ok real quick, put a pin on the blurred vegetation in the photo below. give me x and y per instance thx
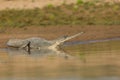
(81, 13)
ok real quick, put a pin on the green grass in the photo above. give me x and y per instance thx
(74, 14)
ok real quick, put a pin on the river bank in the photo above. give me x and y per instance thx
(53, 32)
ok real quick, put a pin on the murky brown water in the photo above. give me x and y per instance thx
(104, 65)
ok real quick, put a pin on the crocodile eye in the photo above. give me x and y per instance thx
(65, 36)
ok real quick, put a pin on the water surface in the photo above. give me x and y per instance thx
(94, 65)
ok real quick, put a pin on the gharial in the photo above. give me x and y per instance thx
(39, 43)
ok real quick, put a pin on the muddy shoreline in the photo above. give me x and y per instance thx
(53, 32)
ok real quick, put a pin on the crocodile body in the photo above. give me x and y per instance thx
(39, 43)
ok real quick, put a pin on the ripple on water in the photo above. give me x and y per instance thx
(97, 65)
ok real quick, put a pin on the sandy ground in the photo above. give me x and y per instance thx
(53, 32)
(29, 4)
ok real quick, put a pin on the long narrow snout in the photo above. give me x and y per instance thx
(63, 39)
(70, 37)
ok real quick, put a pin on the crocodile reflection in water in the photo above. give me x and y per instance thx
(37, 53)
